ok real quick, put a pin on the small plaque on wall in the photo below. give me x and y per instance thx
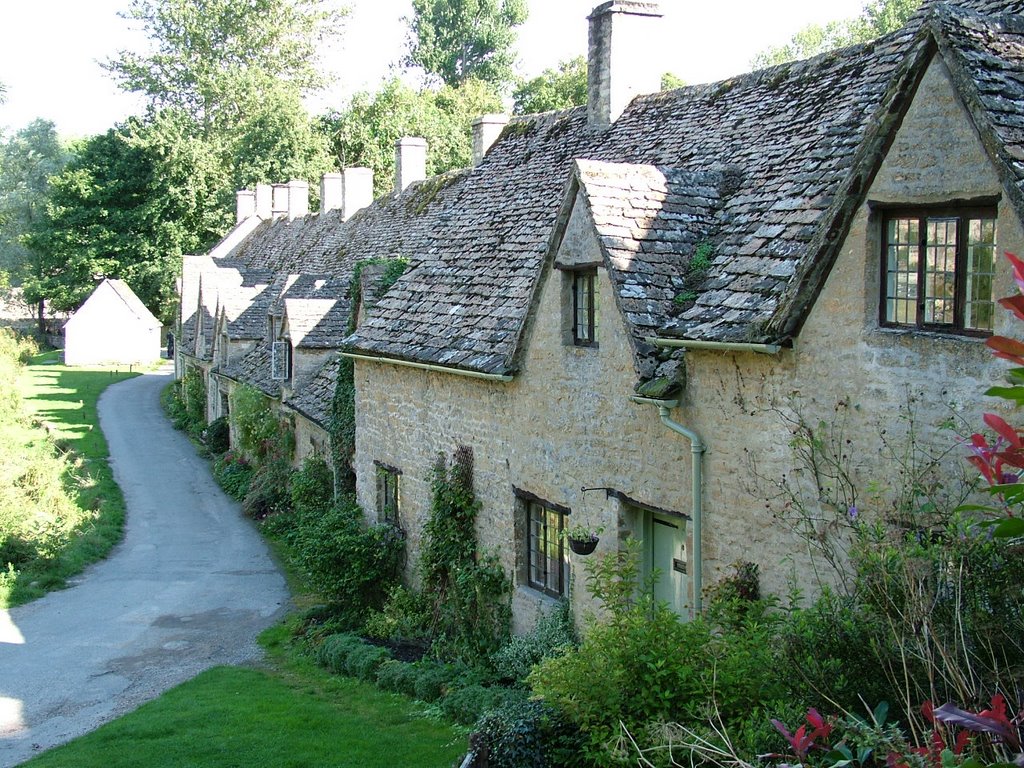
(679, 566)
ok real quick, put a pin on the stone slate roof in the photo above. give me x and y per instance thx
(795, 146)
(133, 302)
(313, 399)
(316, 323)
(245, 307)
(253, 369)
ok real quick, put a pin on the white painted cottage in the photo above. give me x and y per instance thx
(112, 326)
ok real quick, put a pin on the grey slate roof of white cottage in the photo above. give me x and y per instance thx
(793, 149)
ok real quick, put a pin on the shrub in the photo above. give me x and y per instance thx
(234, 474)
(363, 662)
(521, 733)
(334, 651)
(312, 487)
(431, 681)
(348, 562)
(404, 616)
(467, 704)
(261, 433)
(552, 636)
(217, 436)
(397, 677)
(268, 490)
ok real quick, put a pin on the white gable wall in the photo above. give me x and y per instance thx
(105, 330)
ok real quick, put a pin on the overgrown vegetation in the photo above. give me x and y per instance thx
(60, 508)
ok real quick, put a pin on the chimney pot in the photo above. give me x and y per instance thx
(264, 201)
(410, 161)
(245, 205)
(357, 184)
(486, 130)
(618, 68)
(280, 200)
(332, 192)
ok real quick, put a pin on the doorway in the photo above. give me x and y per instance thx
(665, 551)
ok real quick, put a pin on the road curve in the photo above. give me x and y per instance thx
(190, 587)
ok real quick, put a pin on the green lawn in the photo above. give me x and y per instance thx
(294, 714)
(63, 509)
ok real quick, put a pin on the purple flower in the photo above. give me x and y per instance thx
(852, 512)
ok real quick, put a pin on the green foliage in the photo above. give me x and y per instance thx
(347, 562)
(405, 616)
(312, 487)
(397, 677)
(879, 17)
(261, 433)
(334, 651)
(186, 403)
(552, 635)
(553, 89)
(457, 40)
(364, 134)
(467, 704)
(431, 681)
(471, 594)
(217, 436)
(523, 733)
(363, 662)
(233, 471)
(268, 492)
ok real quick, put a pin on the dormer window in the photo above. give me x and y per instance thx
(938, 269)
(584, 307)
(281, 361)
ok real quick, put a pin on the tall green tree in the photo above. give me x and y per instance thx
(365, 133)
(559, 88)
(458, 40)
(28, 159)
(127, 206)
(878, 17)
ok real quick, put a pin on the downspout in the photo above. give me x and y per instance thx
(697, 449)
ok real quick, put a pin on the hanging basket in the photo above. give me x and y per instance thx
(583, 546)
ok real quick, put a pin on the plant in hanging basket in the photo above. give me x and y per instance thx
(583, 540)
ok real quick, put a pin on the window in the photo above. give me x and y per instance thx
(545, 556)
(387, 493)
(281, 360)
(938, 268)
(584, 309)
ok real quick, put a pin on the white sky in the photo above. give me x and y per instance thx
(50, 49)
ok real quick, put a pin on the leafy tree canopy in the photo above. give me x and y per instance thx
(559, 88)
(127, 206)
(458, 40)
(27, 161)
(366, 132)
(879, 17)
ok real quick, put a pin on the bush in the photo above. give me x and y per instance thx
(403, 617)
(552, 636)
(334, 651)
(268, 490)
(348, 562)
(217, 436)
(528, 734)
(234, 474)
(466, 705)
(312, 487)
(364, 662)
(431, 681)
(397, 677)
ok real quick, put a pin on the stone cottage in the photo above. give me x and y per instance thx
(625, 308)
(112, 326)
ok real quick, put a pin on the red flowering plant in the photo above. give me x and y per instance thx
(1002, 730)
(846, 742)
(1000, 460)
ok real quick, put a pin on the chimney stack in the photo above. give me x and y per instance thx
(279, 203)
(486, 130)
(618, 66)
(410, 161)
(332, 192)
(245, 205)
(264, 201)
(357, 184)
(298, 198)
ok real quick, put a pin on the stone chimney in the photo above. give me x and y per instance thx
(279, 202)
(332, 192)
(618, 66)
(264, 201)
(410, 161)
(245, 205)
(298, 198)
(357, 184)
(486, 130)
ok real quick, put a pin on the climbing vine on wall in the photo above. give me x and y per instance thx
(261, 433)
(342, 427)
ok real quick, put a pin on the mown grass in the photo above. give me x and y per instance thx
(62, 509)
(291, 714)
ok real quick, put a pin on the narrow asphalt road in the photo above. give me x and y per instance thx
(190, 587)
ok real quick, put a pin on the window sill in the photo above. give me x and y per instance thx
(928, 334)
(526, 592)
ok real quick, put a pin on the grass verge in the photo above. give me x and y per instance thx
(62, 509)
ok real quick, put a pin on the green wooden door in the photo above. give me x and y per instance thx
(666, 551)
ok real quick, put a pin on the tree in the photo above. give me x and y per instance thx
(215, 59)
(560, 88)
(879, 17)
(456, 40)
(27, 161)
(127, 206)
(366, 132)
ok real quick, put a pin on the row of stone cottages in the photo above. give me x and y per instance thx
(622, 308)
